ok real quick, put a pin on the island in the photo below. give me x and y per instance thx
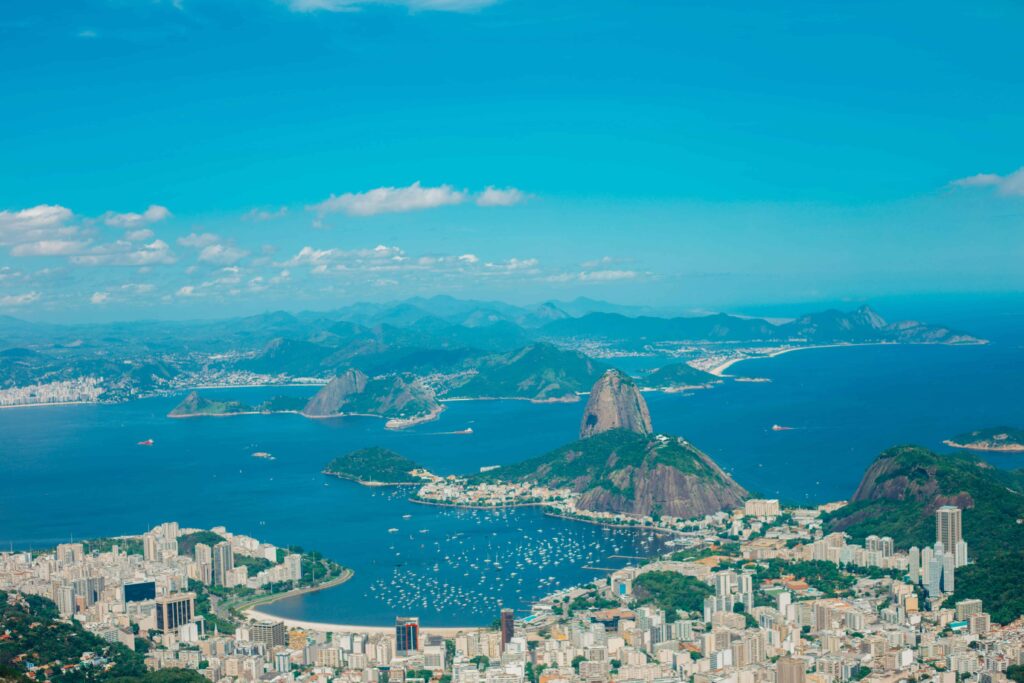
(378, 467)
(1000, 439)
(679, 377)
(403, 401)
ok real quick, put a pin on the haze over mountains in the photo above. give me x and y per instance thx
(479, 348)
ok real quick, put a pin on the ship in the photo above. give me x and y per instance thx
(780, 428)
(263, 454)
(467, 430)
(147, 442)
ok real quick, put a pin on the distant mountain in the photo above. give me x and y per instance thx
(677, 375)
(861, 325)
(899, 494)
(636, 474)
(615, 403)
(539, 372)
(395, 397)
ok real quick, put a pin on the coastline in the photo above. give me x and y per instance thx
(51, 403)
(325, 627)
(978, 446)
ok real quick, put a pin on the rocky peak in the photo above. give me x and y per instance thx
(330, 399)
(615, 403)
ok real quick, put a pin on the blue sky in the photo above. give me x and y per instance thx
(197, 157)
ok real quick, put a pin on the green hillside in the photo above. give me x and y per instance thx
(898, 497)
(374, 466)
(538, 372)
(677, 375)
(638, 474)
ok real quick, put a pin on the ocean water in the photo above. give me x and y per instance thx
(76, 471)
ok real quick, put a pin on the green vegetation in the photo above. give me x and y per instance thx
(187, 542)
(283, 404)
(900, 493)
(204, 608)
(540, 372)
(990, 439)
(194, 404)
(820, 575)
(374, 465)
(671, 591)
(253, 565)
(130, 546)
(677, 375)
(1015, 672)
(595, 459)
(35, 635)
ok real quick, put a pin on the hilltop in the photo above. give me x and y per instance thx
(539, 372)
(899, 494)
(404, 400)
(636, 474)
(615, 403)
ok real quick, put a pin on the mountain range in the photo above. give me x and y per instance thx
(482, 348)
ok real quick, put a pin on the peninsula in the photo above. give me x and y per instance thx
(999, 439)
(377, 467)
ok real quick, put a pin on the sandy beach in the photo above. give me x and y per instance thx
(719, 371)
(351, 628)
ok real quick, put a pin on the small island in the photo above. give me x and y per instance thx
(195, 405)
(378, 467)
(678, 377)
(1002, 439)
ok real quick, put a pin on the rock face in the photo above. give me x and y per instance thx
(615, 403)
(332, 398)
(636, 474)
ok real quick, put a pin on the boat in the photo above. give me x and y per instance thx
(147, 442)
(467, 430)
(263, 454)
(392, 530)
(780, 428)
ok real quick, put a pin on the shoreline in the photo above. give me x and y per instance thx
(719, 370)
(978, 446)
(247, 606)
(51, 403)
(327, 627)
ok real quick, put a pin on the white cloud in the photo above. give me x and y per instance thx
(514, 264)
(1006, 185)
(99, 297)
(139, 235)
(469, 258)
(493, 196)
(49, 248)
(223, 254)
(308, 256)
(197, 240)
(412, 5)
(265, 214)
(153, 214)
(187, 290)
(594, 276)
(122, 253)
(10, 300)
(390, 200)
(41, 222)
(607, 275)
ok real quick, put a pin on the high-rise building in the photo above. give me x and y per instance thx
(961, 553)
(223, 562)
(270, 633)
(204, 563)
(407, 635)
(508, 626)
(948, 530)
(790, 670)
(948, 573)
(174, 610)
(915, 565)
